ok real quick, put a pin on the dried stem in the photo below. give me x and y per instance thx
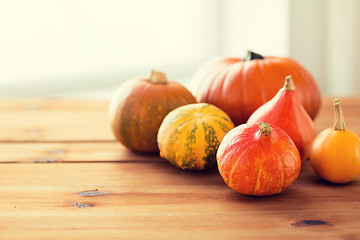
(289, 83)
(339, 116)
(265, 128)
(157, 77)
(251, 56)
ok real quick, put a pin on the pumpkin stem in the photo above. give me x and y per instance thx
(251, 56)
(157, 77)
(265, 128)
(289, 83)
(339, 116)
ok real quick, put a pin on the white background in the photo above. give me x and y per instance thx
(82, 48)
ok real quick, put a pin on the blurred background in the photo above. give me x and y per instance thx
(85, 49)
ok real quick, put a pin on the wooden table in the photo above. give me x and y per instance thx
(63, 176)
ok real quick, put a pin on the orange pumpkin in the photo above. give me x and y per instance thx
(239, 86)
(258, 159)
(140, 105)
(335, 152)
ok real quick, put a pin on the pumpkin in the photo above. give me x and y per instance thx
(258, 159)
(239, 86)
(286, 112)
(190, 135)
(139, 106)
(335, 152)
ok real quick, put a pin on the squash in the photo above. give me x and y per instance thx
(258, 159)
(335, 152)
(285, 111)
(139, 106)
(190, 135)
(239, 86)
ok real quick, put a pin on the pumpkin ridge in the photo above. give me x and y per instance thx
(221, 84)
(267, 68)
(176, 93)
(117, 109)
(234, 83)
(203, 110)
(222, 125)
(188, 159)
(257, 185)
(139, 121)
(212, 143)
(135, 120)
(242, 84)
(236, 163)
(196, 86)
(174, 137)
(222, 72)
(216, 72)
(309, 108)
(261, 67)
(282, 176)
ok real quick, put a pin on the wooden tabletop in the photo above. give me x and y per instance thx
(63, 176)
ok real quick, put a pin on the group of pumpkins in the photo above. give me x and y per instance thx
(274, 130)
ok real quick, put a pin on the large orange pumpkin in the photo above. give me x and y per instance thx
(140, 105)
(239, 86)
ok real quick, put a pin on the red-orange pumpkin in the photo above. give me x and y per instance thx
(140, 105)
(258, 159)
(239, 86)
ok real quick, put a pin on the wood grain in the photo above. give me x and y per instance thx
(54, 120)
(70, 152)
(63, 176)
(157, 201)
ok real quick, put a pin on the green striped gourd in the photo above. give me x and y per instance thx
(190, 135)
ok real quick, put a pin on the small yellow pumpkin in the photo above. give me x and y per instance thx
(335, 152)
(190, 135)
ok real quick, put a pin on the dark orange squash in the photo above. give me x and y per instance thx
(239, 86)
(140, 105)
(285, 111)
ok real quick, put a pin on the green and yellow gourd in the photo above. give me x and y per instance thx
(190, 135)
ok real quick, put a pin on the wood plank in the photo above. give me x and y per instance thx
(157, 201)
(85, 120)
(54, 120)
(71, 152)
(91, 187)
